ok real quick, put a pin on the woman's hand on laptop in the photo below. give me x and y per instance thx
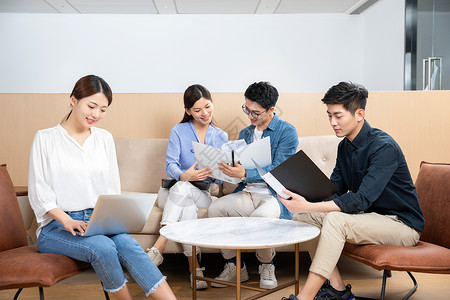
(68, 223)
(74, 225)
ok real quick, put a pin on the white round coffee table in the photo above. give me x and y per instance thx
(241, 233)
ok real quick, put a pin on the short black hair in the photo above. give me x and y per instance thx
(262, 93)
(352, 95)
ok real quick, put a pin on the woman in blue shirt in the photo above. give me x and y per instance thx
(183, 199)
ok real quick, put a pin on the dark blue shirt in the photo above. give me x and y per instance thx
(283, 144)
(372, 176)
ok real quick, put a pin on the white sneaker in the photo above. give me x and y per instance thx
(267, 278)
(229, 274)
(155, 256)
(200, 284)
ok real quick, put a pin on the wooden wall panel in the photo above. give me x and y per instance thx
(417, 120)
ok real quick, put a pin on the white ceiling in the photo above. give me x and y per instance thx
(185, 6)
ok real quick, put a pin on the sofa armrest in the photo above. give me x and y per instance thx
(29, 218)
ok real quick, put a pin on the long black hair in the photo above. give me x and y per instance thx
(87, 86)
(192, 94)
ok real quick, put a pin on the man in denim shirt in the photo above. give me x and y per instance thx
(253, 198)
(376, 204)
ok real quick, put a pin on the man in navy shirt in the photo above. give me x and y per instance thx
(376, 204)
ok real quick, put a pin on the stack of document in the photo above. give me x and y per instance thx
(208, 156)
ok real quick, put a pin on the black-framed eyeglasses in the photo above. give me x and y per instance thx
(255, 115)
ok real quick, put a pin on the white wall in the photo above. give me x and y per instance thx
(384, 46)
(47, 53)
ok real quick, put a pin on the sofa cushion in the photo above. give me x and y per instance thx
(27, 267)
(152, 225)
(433, 192)
(141, 163)
(12, 229)
(424, 257)
(322, 150)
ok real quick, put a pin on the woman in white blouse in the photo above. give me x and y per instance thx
(71, 164)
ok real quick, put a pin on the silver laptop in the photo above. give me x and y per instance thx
(124, 213)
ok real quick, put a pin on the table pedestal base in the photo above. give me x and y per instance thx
(238, 285)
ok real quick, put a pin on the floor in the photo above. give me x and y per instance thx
(365, 281)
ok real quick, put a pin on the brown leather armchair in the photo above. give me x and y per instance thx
(21, 265)
(432, 253)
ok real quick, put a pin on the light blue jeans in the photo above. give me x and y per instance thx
(106, 254)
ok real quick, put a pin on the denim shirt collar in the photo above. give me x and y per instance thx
(272, 125)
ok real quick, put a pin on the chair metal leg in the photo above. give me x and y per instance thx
(105, 292)
(413, 290)
(383, 285)
(387, 273)
(41, 293)
(17, 293)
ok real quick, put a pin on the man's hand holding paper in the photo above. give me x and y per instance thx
(220, 160)
(298, 204)
(295, 203)
(237, 171)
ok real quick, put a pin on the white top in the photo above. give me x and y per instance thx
(257, 187)
(65, 175)
(239, 232)
(257, 135)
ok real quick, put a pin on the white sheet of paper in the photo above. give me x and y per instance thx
(233, 145)
(259, 151)
(275, 184)
(271, 180)
(208, 156)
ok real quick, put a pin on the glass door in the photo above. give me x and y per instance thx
(427, 58)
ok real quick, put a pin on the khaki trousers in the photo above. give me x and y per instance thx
(244, 204)
(364, 228)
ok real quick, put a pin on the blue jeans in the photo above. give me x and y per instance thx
(106, 254)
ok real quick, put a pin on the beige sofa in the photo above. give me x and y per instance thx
(142, 166)
(142, 162)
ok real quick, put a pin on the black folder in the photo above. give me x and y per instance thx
(300, 175)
